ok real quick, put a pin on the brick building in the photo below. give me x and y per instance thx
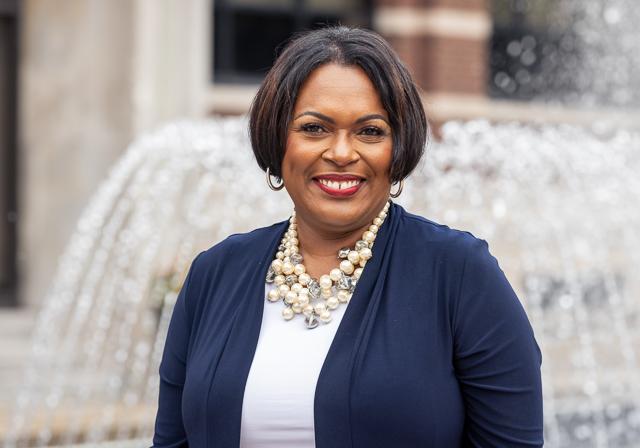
(84, 78)
(445, 44)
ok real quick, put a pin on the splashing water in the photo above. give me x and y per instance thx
(607, 36)
(558, 205)
(580, 52)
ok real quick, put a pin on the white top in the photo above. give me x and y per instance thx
(277, 410)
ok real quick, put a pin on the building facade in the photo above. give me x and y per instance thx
(87, 78)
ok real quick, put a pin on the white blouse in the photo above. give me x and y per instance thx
(277, 409)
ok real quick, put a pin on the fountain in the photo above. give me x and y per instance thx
(571, 52)
(559, 206)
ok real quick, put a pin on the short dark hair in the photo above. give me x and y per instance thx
(272, 107)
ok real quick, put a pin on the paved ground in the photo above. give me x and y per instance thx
(15, 345)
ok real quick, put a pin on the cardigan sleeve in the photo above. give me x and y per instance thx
(496, 357)
(169, 428)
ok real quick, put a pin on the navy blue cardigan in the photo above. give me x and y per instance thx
(434, 349)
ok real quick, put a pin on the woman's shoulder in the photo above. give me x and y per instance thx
(426, 234)
(239, 245)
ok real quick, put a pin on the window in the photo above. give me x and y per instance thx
(8, 76)
(534, 51)
(247, 33)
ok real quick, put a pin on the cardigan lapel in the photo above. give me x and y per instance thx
(223, 430)
(333, 390)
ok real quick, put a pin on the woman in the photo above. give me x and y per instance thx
(410, 337)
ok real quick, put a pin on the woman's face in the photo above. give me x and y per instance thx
(339, 150)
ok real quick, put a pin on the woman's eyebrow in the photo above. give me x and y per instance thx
(332, 121)
(372, 117)
(317, 115)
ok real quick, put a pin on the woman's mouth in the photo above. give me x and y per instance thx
(337, 185)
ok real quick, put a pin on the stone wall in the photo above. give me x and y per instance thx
(76, 116)
(93, 75)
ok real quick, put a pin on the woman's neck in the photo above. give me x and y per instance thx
(319, 247)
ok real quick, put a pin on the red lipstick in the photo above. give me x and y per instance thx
(334, 184)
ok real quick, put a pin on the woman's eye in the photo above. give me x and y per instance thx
(312, 128)
(372, 131)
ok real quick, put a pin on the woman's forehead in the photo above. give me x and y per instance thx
(339, 87)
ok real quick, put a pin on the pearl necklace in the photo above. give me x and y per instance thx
(316, 298)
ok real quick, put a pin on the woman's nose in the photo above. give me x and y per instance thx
(342, 151)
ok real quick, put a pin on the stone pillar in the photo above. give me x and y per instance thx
(443, 42)
(171, 69)
(76, 118)
(93, 76)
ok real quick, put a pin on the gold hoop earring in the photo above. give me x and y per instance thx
(400, 187)
(271, 184)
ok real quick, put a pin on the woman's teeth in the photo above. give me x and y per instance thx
(339, 185)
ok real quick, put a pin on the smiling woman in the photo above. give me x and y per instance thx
(338, 154)
(353, 323)
(273, 106)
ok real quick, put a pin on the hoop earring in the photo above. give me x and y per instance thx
(271, 184)
(397, 193)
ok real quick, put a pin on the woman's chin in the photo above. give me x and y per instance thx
(342, 216)
(338, 213)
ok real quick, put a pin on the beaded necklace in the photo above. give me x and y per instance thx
(316, 298)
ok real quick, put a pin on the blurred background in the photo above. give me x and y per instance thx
(87, 86)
